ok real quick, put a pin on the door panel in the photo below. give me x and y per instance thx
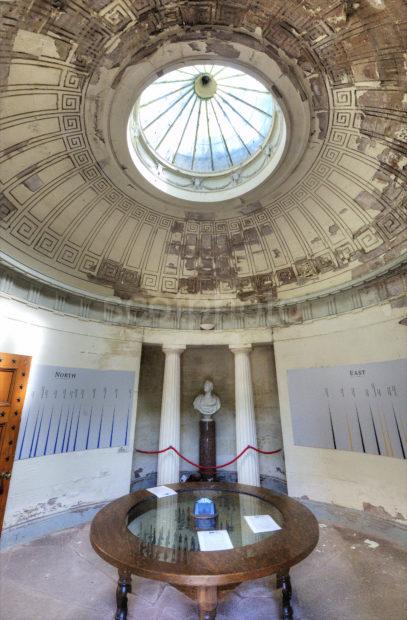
(14, 372)
(7, 378)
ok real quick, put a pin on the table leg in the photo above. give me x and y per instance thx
(123, 587)
(207, 600)
(284, 582)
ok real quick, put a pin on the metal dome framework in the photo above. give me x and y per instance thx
(206, 130)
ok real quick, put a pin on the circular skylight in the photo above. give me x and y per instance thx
(205, 131)
(205, 118)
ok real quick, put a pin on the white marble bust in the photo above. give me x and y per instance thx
(207, 403)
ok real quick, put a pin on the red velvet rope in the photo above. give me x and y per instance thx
(208, 466)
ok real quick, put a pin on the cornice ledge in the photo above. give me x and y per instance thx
(32, 288)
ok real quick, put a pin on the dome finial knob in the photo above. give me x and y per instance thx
(205, 86)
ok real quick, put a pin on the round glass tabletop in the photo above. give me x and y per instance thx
(169, 522)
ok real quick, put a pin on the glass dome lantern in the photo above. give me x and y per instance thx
(206, 129)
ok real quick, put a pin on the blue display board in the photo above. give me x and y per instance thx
(361, 407)
(72, 409)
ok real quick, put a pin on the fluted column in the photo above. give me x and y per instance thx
(248, 464)
(170, 425)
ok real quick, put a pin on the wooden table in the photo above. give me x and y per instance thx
(204, 576)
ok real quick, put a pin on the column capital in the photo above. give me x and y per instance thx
(240, 348)
(174, 348)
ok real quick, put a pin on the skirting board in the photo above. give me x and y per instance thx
(268, 482)
(37, 528)
(366, 523)
(392, 531)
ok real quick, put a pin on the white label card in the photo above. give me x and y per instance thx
(214, 540)
(262, 523)
(162, 491)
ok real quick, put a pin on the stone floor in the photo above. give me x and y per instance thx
(348, 577)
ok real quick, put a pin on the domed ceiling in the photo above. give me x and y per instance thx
(75, 209)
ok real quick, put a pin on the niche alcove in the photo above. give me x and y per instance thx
(197, 364)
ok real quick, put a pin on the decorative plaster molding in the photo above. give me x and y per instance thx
(72, 204)
(386, 284)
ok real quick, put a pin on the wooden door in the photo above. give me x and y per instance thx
(14, 371)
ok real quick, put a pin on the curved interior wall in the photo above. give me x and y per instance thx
(363, 481)
(110, 258)
(59, 490)
(66, 488)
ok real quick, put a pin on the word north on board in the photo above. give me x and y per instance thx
(59, 374)
(74, 409)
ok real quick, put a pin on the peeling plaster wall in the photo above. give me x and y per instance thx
(52, 485)
(44, 486)
(197, 364)
(351, 479)
(148, 414)
(267, 406)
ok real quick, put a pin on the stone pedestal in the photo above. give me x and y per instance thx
(207, 448)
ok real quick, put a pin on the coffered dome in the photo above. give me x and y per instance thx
(275, 171)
